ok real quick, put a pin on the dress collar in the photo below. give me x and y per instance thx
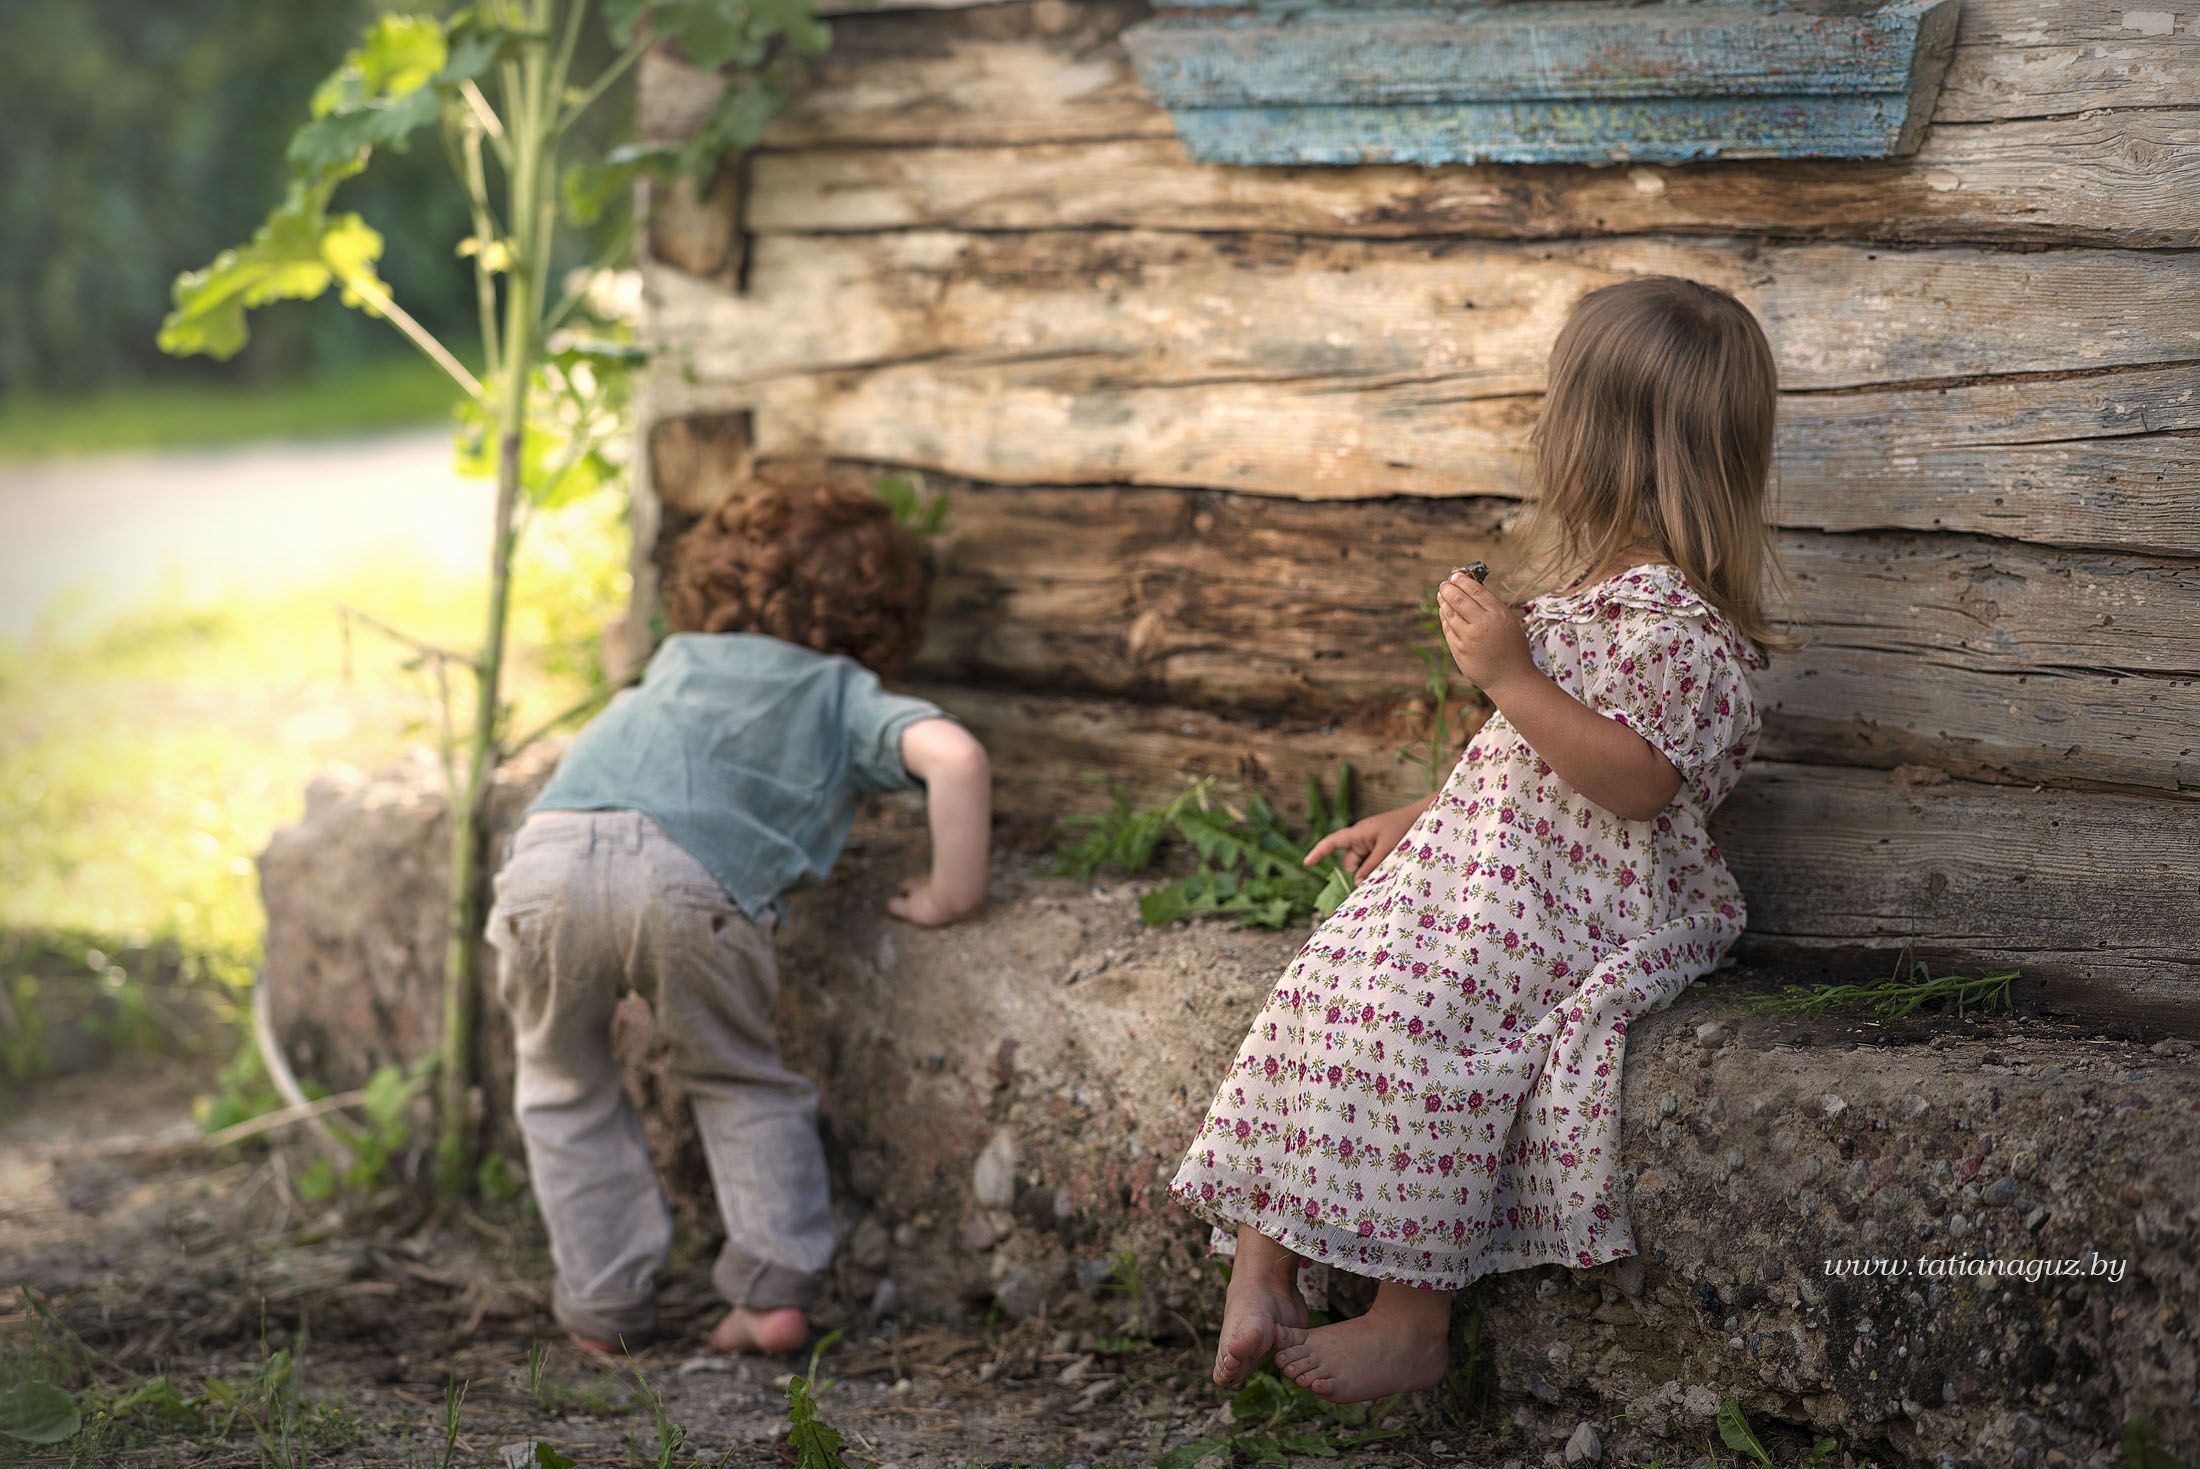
(1651, 586)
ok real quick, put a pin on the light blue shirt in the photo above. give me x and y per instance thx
(750, 752)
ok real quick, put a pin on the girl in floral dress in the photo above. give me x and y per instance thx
(1432, 1091)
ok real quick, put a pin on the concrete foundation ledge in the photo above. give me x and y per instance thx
(1947, 1243)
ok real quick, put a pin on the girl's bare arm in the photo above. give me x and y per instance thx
(958, 783)
(1596, 755)
(1366, 842)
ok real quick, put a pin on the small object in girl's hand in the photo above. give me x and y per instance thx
(1479, 570)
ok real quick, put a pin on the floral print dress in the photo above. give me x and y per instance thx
(1432, 1091)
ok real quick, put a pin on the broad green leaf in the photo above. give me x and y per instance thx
(547, 1457)
(920, 514)
(294, 256)
(622, 18)
(329, 142)
(381, 93)
(586, 189)
(1734, 1432)
(552, 473)
(1184, 1456)
(398, 54)
(38, 1412)
(1164, 905)
(475, 43)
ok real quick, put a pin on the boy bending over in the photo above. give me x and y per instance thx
(655, 861)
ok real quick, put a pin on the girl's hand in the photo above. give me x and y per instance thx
(1366, 842)
(1488, 642)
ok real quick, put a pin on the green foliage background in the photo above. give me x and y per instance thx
(143, 136)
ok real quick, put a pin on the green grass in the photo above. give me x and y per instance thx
(144, 764)
(386, 393)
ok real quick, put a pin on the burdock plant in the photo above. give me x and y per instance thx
(495, 83)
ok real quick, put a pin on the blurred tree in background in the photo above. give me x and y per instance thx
(142, 136)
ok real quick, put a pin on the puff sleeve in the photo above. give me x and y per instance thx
(1679, 684)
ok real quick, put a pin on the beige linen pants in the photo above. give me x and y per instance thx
(591, 904)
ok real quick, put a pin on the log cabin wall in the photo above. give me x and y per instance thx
(1211, 432)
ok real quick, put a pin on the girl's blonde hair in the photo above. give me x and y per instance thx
(1657, 430)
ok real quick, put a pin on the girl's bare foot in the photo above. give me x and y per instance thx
(1401, 1345)
(1263, 1301)
(770, 1332)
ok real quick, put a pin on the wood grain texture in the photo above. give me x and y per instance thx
(1981, 659)
(2090, 896)
(2086, 166)
(1428, 53)
(1932, 469)
(1357, 369)
(1046, 69)
(1013, 73)
(1542, 83)
(1055, 754)
(1992, 658)
(1474, 320)
(2110, 178)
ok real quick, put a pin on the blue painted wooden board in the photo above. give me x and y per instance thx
(1665, 131)
(1429, 82)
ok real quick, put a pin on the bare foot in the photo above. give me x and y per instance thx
(1263, 1300)
(593, 1345)
(1367, 1357)
(773, 1333)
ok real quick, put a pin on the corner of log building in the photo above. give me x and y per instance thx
(1209, 431)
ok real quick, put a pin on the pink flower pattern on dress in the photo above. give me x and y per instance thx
(1432, 1091)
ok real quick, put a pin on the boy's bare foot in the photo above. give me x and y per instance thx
(594, 1345)
(770, 1332)
(1369, 1356)
(1263, 1300)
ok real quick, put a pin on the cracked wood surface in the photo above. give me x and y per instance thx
(2040, 404)
(2055, 123)
(976, 249)
(2088, 895)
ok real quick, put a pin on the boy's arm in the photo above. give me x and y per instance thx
(958, 783)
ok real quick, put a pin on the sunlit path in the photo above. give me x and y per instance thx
(84, 540)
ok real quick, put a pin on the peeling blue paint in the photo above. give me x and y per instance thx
(1546, 83)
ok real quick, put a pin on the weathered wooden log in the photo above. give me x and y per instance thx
(1020, 72)
(950, 95)
(1043, 69)
(2108, 178)
(2088, 894)
(1469, 321)
(1358, 369)
(1543, 83)
(2073, 668)
(1056, 754)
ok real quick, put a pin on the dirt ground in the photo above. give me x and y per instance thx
(140, 1256)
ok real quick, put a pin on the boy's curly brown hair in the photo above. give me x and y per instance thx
(808, 560)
